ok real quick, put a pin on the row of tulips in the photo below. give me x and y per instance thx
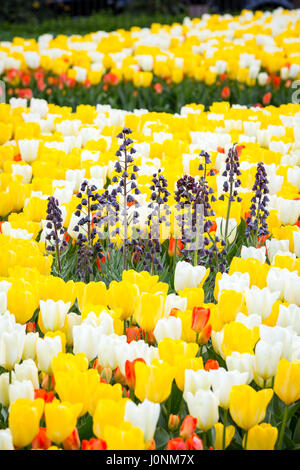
(188, 346)
(248, 58)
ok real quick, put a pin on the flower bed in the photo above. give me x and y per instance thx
(247, 59)
(149, 271)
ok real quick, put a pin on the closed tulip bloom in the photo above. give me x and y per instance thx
(287, 381)
(75, 386)
(27, 370)
(267, 357)
(149, 309)
(61, 419)
(107, 391)
(29, 351)
(153, 382)
(144, 416)
(262, 437)
(241, 362)
(200, 317)
(67, 361)
(196, 380)
(223, 381)
(24, 420)
(247, 406)
(172, 351)
(22, 300)
(219, 429)
(170, 327)
(11, 348)
(46, 349)
(53, 314)
(238, 338)
(183, 364)
(6, 439)
(72, 319)
(105, 410)
(124, 437)
(204, 406)
(123, 295)
(188, 276)
(20, 389)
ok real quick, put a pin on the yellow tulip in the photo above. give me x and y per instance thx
(230, 303)
(22, 300)
(124, 437)
(183, 363)
(170, 350)
(247, 406)
(61, 419)
(194, 295)
(77, 386)
(123, 295)
(65, 362)
(229, 433)
(261, 437)
(106, 412)
(239, 338)
(149, 309)
(24, 420)
(153, 382)
(287, 381)
(104, 391)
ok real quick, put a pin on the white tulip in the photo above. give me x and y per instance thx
(204, 406)
(110, 348)
(133, 350)
(29, 351)
(292, 290)
(3, 302)
(277, 334)
(278, 279)
(243, 362)
(175, 301)
(104, 320)
(188, 276)
(196, 380)
(4, 384)
(19, 233)
(27, 370)
(76, 177)
(223, 381)
(250, 321)
(289, 315)
(266, 360)
(170, 327)
(86, 339)
(23, 170)
(53, 314)
(28, 149)
(237, 281)
(262, 78)
(32, 59)
(254, 253)
(6, 439)
(11, 348)
(296, 237)
(260, 301)
(20, 389)
(221, 227)
(274, 246)
(144, 416)
(46, 349)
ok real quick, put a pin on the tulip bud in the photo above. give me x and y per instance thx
(30, 327)
(41, 441)
(174, 421)
(188, 427)
(200, 317)
(106, 374)
(119, 377)
(45, 382)
(205, 335)
(72, 442)
(211, 364)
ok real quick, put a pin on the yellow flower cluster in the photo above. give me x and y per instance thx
(48, 150)
(242, 46)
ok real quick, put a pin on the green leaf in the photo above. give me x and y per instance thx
(161, 438)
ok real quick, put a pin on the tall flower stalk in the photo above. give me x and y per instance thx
(232, 173)
(54, 237)
(127, 186)
(257, 220)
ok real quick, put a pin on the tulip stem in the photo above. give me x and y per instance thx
(224, 429)
(283, 425)
(9, 376)
(49, 383)
(246, 439)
